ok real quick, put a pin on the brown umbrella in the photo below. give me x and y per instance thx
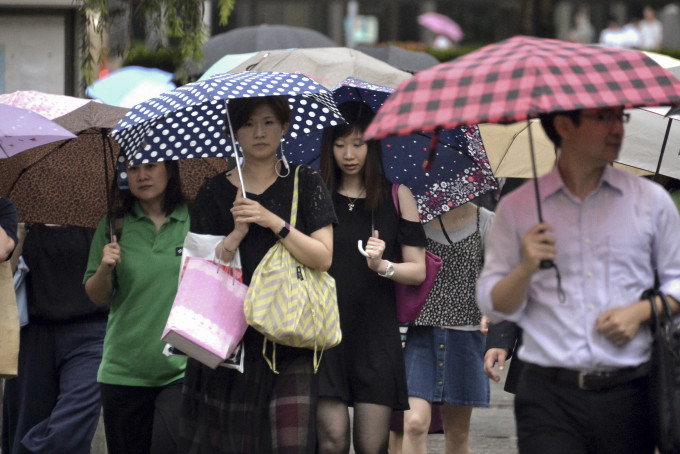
(68, 182)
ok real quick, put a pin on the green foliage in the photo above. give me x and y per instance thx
(180, 22)
(449, 54)
(675, 53)
(164, 57)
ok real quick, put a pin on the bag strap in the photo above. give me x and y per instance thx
(294, 205)
(441, 223)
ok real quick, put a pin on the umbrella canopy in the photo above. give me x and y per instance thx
(441, 25)
(254, 39)
(69, 182)
(464, 173)
(651, 138)
(48, 105)
(21, 129)
(131, 85)
(520, 78)
(327, 66)
(226, 64)
(188, 122)
(506, 147)
(407, 60)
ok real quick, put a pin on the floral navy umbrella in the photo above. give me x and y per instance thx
(188, 122)
(462, 174)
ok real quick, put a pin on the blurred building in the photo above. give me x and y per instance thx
(40, 39)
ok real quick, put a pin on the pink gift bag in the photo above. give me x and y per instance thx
(206, 321)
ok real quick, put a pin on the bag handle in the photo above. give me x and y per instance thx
(294, 205)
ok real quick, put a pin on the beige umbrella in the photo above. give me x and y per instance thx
(507, 147)
(327, 66)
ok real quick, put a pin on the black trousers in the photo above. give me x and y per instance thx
(53, 406)
(557, 418)
(141, 420)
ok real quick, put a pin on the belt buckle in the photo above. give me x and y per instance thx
(582, 381)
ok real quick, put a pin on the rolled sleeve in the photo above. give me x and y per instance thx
(503, 253)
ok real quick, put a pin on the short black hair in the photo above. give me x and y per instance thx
(241, 109)
(174, 197)
(548, 123)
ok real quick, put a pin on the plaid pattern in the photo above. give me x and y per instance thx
(520, 78)
(224, 411)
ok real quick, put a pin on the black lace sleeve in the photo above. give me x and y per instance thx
(316, 204)
(411, 233)
(210, 212)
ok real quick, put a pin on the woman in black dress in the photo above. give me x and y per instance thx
(258, 411)
(366, 370)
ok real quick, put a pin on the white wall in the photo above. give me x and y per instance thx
(34, 53)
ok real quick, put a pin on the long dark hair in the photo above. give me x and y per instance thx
(357, 116)
(125, 200)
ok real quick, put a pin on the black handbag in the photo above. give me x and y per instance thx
(664, 377)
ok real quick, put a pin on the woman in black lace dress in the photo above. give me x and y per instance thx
(258, 411)
(366, 370)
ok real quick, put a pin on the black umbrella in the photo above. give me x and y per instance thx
(253, 39)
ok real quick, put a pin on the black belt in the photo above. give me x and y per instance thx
(590, 381)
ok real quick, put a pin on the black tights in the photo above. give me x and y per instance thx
(371, 427)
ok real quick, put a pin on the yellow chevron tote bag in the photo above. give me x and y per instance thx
(291, 304)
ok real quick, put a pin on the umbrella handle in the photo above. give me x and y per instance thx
(233, 143)
(427, 164)
(545, 264)
(360, 246)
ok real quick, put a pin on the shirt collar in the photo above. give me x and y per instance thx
(181, 213)
(552, 182)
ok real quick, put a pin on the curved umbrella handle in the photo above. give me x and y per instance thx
(360, 246)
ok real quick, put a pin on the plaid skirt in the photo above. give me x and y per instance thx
(225, 411)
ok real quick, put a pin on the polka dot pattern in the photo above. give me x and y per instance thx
(188, 122)
(461, 170)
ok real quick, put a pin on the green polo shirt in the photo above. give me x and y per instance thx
(145, 284)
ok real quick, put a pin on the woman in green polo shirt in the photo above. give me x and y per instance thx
(140, 387)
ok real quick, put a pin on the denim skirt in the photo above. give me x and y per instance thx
(446, 366)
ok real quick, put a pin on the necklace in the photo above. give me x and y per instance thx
(350, 204)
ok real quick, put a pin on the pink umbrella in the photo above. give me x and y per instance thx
(441, 25)
(46, 104)
(22, 129)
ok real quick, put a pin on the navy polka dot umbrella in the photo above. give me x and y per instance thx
(188, 122)
(461, 172)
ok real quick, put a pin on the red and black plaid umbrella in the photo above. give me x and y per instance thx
(520, 78)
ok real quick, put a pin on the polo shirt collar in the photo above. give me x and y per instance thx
(181, 213)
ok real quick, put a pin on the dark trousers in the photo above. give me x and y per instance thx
(561, 419)
(53, 405)
(142, 420)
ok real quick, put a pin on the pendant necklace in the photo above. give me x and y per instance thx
(350, 204)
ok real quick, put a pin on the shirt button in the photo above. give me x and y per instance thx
(441, 346)
(587, 241)
(439, 383)
(441, 364)
(591, 307)
(590, 275)
(442, 328)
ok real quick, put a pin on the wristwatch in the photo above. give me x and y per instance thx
(389, 271)
(285, 230)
